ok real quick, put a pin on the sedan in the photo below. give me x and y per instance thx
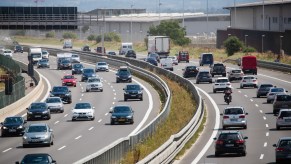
(234, 117)
(263, 89)
(133, 91)
(221, 84)
(174, 58)
(42, 158)
(38, 110)
(88, 72)
(75, 58)
(283, 150)
(154, 55)
(38, 134)
(83, 111)
(121, 114)
(69, 80)
(249, 81)
(43, 63)
(13, 125)
(101, 66)
(272, 93)
(152, 61)
(18, 48)
(130, 54)
(111, 53)
(77, 68)
(45, 54)
(94, 84)
(235, 74)
(8, 53)
(190, 71)
(55, 104)
(283, 119)
(281, 101)
(86, 48)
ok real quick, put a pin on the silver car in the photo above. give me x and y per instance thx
(94, 84)
(38, 134)
(75, 58)
(101, 66)
(235, 74)
(283, 119)
(234, 117)
(55, 104)
(272, 93)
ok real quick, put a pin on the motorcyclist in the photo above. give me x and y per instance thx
(227, 93)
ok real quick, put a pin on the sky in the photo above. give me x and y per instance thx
(150, 5)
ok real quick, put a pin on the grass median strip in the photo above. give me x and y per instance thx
(2, 84)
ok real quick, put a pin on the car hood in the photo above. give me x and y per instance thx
(89, 74)
(95, 83)
(102, 66)
(122, 114)
(82, 110)
(59, 93)
(36, 110)
(36, 134)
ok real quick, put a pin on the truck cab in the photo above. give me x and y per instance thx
(35, 54)
(248, 64)
(206, 58)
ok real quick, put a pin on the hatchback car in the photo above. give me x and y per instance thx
(88, 72)
(45, 54)
(55, 104)
(221, 84)
(283, 150)
(272, 93)
(77, 68)
(235, 74)
(133, 91)
(38, 134)
(154, 55)
(69, 80)
(75, 58)
(130, 54)
(121, 114)
(8, 53)
(249, 81)
(38, 158)
(190, 71)
(234, 117)
(283, 119)
(13, 126)
(152, 61)
(218, 69)
(174, 59)
(123, 75)
(83, 111)
(18, 48)
(263, 89)
(281, 101)
(183, 56)
(101, 66)
(230, 142)
(38, 110)
(203, 76)
(86, 48)
(64, 64)
(63, 92)
(94, 84)
(43, 63)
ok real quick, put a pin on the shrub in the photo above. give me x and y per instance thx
(249, 49)
(232, 45)
(69, 35)
(20, 33)
(85, 28)
(91, 37)
(108, 37)
(50, 34)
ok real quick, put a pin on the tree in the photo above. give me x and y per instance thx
(232, 45)
(85, 28)
(173, 30)
(69, 35)
(50, 34)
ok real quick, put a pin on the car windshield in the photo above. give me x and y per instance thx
(285, 114)
(17, 47)
(153, 55)
(266, 86)
(236, 71)
(78, 66)
(33, 129)
(43, 61)
(277, 90)
(221, 80)
(283, 97)
(122, 109)
(285, 143)
(191, 68)
(151, 59)
(66, 61)
(93, 80)
(60, 89)
(7, 51)
(13, 120)
(68, 77)
(83, 106)
(38, 106)
(203, 73)
(35, 159)
(88, 71)
(44, 52)
(75, 56)
(233, 111)
(53, 100)
(102, 63)
(36, 55)
(229, 136)
(123, 73)
(133, 87)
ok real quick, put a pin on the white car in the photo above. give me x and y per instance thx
(8, 53)
(174, 58)
(45, 54)
(101, 66)
(234, 117)
(94, 84)
(283, 119)
(273, 92)
(55, 104)
(83, 111)
(75, 58)
(221, 84)
(167, 63)
(249, 81)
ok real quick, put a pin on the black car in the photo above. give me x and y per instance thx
(65, 64)
(152, 61)
(154, 55)
(86, 48)
(121, 114)
(190, 71)
(123, 75)
(218, 69)
(63, 92)
(18, 48)
(230, 142)
(130, 54)
(77, 68)
(13, 126)
(263, 89)
(38, 110)
(203, 76)
(88, 72)
(43, 63)
(133, 91)
(40, 158)
(111, 53)
(283, 150)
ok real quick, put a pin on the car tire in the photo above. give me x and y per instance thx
(224, 127)
(224, 75)
(52, 143)
(212, 75)
(268, 101)
(241, 87)
(216, 154)
(62, 111)
(125, 99)
(101, 90)
(70, 102)
(245, 127)
(73, 119)
(112, 122)
(92, 119)
(48, 117)
(258, 96)
(75, 85)
(117, 81)
(24, 145)
(3, 135)
(131, 122)
(278, 127)
(244, 153)
(197, 82)
(141, 99)
(214, 91)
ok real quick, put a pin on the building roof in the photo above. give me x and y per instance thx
(260, 3)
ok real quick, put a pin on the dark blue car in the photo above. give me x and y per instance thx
(88, 72)
(12, 125)
(121, 114)
(152, 61)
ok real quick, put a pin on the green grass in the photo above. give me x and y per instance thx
(2, 84)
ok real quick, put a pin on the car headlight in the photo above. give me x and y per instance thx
(45, 136)
(4, 127)
(128, 116)
(52, 95)
(75, 113)
(73, 69)
(45, 112)
(20, 127)
(64, 82)
(117, 76)
(67, 94)
(129, 76)
(139, 92)
(24, 137)
(113, 116)
(29, 112)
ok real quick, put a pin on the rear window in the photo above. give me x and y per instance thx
(229, 136)
(266, 85)
(277, 90)
(283, 97)
(203, 73)
(285, 143)
(233, 111)
(236, 71)
(191, 68)
(285, 114)
(221, 80)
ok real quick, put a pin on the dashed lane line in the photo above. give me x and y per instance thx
(61, 147)
(91, 128)
(106, 114)
(264, 118)
(6, 150)
(100, 120)
(57, 122)
(65, 115)
(256, 105)
(267, 134)
(265, 144)
(267, 125)
(261, 111)
(261, 156)
(78, 137)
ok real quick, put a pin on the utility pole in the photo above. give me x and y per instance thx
(103, 30)
(131, 21)
(183, 24)
(263, 14)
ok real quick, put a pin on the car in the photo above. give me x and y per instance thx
(190, 71)
(101, 66)
(235, 74)
(69, 80)
(123, 75)
(86, 48)
(218, 69)
(63, 92)
(37, 158)
(167, 63)
(75, 58)
(121, 114)
(38, 110)
(55, 104)
(43, 63)
(154, 55)
(94, 84)
(263, 89)
(111, 53)
(249, 81)
(203, 76)
(77, 68)
(133, 91)
(13, 126)
(99, 50)
(130, 54)
(272, 93)
(38, 134)
(45, 54)
(152, 61)
(174, 59)
(68, 44)
(88, 72)
(64, 64)
(234, 117)
(281, 101)
(283, 119)
(230, 142)
(283, 150)
(8, 53)
(83, 111)
(18, 48)
(206, 58)
(183, 56)
(221, 84)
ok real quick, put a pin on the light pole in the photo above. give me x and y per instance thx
(207, 20)
(140, 32)
(160, 12)
(183, 15)
(246, 40)
(234, 1)
(263, 43)
(263, 14)
(281, 42)
(131, 22)
(103, 31)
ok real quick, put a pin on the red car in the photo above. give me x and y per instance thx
(69, 80)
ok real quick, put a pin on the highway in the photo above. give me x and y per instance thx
(75, 140)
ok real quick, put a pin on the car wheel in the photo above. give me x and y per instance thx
(245, 127)
(70, 101)
(141, 98)
(52, 143)
(92, 119)
(112, 122)
(223, 127)
(87, 90)
(62, 111)
(75, 85)
(258, 96)
(268, 101)
(101, 90)
(216, 154)
(3, 135)
(214, 91)
(48, 117)
(278, 127)
(224, 75)
(244, 153)
(24, 145)
(197, 82)
(117, 81)
(131, 122)
(241, 87)
(73, 119)
(125, 99)
(212, 75)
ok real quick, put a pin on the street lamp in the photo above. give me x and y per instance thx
(263, 14)
(246, 39)
(234, 1)
(183, 15)
(160, 12)
(281, 42)
(263, 43)
(207, 19)
(131, 22)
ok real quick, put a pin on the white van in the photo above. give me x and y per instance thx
(167, 63)
(35, 54)
(124, 48)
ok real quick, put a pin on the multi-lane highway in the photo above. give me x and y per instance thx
(75, 140)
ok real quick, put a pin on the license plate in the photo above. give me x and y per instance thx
(287, 120)
(37, 116)
(12, 130)
(222, 84)
(69, 83)
(204, 77)
(229, 145)
(121, 119)
(233, 119)
(35, 140)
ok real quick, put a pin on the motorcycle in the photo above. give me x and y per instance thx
(227, 99)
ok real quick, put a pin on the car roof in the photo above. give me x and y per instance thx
(249, 76)
(234, 107)
(204, 71)
(284, 110)
(285, 138)
(14, 117)
(122, 106)
(53, 98)
(229, 131)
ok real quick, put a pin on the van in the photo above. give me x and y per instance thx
(183, 56)
(99, 50)
(206, 58)
(35, 54)
(124, 48)
(167, 63)
(249, 64)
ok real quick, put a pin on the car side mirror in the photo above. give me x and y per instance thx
(221, 114)
(1, 123)
(123, 88)
(247, 113)
(246, 138)
(110, 111)
(62, 79)
(50, 91)
(286, 91)
(54, 161)
(274, 145)
(215, 138)
(69, 90)
(50, 130)
(25, 122)
(26, 108)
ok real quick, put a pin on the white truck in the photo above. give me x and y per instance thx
(68, 43)
(159, 45)
(35, 54)
(124, 48)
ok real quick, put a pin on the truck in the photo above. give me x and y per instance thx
(125, 47)
(35, 54)
(248, 64)
(159, 45)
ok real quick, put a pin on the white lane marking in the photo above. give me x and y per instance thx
(57, 122)
(256, 105)
(80, 99)
(104, 80)
(65, 115)
(239, 91)
(111, 108)
(80, 84)
(113, 103)
(100, 120)
(114, 98)
(214, 133)
(78, 137)
(264, 118)
(82, 95)
(111, 86)
(82, 88)
(108, 83)
(91, 128)
(251, 100)
(267, 125)
(106, 114)
(246, 95)
(24, 115)
(261, 111)
(261, 156)
(267, 134)
(6, 150)
(114, 94)
(275, 78)
(61, 147)
(265, 144)
(113, 90)
(48, 89)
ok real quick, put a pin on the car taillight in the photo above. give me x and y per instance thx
(239, 141)
(242, 116)
(225, 117)
(280, 118)
(254, 80)
(227, 84)
(244, 81)
(219, 142)
(279, 149)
